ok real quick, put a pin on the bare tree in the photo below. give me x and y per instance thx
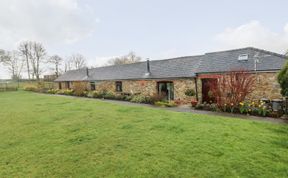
(77, 61)
(68, 65)
(37, 56)
(232, 87)
(13, 62)
(127, 59)
(25, 49)
(56, 61)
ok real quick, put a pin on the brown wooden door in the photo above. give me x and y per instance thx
(206, 88)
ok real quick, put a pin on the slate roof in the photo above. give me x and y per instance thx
(170, 68)
(182, 67)
(228, 60)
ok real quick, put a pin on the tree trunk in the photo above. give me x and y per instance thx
(28, 67)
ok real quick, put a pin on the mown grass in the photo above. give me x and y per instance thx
(53, 136)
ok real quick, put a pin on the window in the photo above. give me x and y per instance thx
(243, 57)
(68, 85)
(92, 86)
(118, 86)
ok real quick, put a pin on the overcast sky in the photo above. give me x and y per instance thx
(153, 29)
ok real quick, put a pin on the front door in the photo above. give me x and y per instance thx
(207, 96)
(166, 89)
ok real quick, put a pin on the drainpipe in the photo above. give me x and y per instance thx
(196, 87)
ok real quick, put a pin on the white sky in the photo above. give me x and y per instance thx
(156, 29)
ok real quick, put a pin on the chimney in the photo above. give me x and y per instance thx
(87, 72)
(148, 72)
(148, 66)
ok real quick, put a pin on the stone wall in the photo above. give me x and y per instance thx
(180, 86)
(199, 90)
(148, 87)
(108, 86)
(144, 87)
(266, 86)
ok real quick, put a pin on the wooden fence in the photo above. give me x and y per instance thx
(8, 86)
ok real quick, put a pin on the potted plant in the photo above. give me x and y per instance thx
(194, 102)
(191, 93)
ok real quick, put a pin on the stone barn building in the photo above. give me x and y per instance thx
(174, 76)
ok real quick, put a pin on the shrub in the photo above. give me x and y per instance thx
(199, 106)
(127, 97)
(214, 107)
(85, 93)
(68, 92)
(190, 92)
(165, 104)
(157, 97)
(95, 94)
(283, 80)
(52, 91)
(108, 95)
(120, 97)
(171, 104)
(90, 94)
(31, 88)
(64, 92)
(139, 99)
(40, 85)
(79, 88)
(232, 88)
(60, 92)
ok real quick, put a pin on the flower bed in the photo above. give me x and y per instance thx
(255, 108)
(156, 99)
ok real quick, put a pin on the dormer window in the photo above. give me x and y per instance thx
(243, 57)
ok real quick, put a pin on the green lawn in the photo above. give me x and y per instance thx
(53, 136)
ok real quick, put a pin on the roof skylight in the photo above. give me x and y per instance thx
(243, 57)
